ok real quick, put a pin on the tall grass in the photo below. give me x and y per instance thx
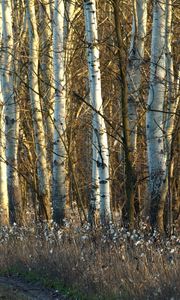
(99, 264)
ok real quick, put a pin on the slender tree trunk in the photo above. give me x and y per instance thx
(95, 201)
(59, 151)
(46, 71)
(11, 114)
(4, 201)
(155, 118)
(172, 104)
(129, 169)
(136, 55)
(69, 12)
(102, 159)
(39, 134)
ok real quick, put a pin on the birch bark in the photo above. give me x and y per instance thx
(155, 118)
(172, 100)
(39, 134)
(100, 135)
(94, 204)
(172, 105)
(136, 55)
(59, 151)
(4, 201)
(11, 114)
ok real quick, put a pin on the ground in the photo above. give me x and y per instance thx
(15, 288)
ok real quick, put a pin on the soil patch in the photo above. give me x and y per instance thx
(14, 288)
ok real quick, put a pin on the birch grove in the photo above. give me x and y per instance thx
(89, 113)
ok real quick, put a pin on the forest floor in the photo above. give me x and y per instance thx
(16, 288)
(84, 264)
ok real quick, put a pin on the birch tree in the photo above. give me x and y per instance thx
(100, 135)
(136, 55)
(59, 150)
(94, 204)
(39, 133)
(4, 203)
(172, 105)
(11, 113)
(46, 71)
(155, 118)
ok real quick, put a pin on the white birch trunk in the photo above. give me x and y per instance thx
(69, 13)
(39, 133)
(94, 204)
(98, 121)
(155, 119)
(95, 172)
(172, 100)
(11, 114)
(0, 24)
(136, 55)
(59, 151)
(4, 201)
(172, 105)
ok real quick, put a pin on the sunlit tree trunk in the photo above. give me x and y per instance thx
(4, 201)
(11, 113)
(172, 104)
(46, 71)
(69, 11)
(94, 204)
(59, 151)
(100, 134)
(39, 133)
(136, 55)
(155, 117)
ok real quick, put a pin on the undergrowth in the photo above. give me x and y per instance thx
(99, 264)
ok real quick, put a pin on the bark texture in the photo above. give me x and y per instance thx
(39, 133)
(134, 69)
(155, 118)
(59, 150)
(11, 114)
(100, 135)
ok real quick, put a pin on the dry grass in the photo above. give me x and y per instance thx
(111, 265)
